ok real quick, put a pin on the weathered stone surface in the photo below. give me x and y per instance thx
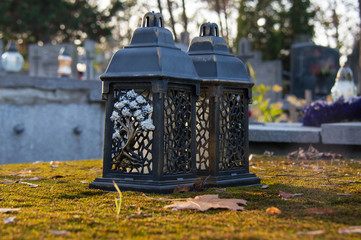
(51, 132)
(341, 133)
(283, 133)
(50, 119)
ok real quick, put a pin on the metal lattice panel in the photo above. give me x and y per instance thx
(202, 132)
(136, 157)
(232, 131)
(177, 132)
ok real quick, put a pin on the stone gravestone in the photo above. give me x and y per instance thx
(43, 60)
(313, 68)
(267, 72)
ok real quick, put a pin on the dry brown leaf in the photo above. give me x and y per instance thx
(200, 185)
(57, 176)
(286, 195)
(350, 230)
(273, 211)
(8, 220)
(55, 162)
(7, 210)
(268, 153)
(59, 233)
(320, 211)
(312, 154)
(311, 233)
(181, 189)
(206, 202)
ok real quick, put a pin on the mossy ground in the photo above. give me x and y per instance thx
(63, 201)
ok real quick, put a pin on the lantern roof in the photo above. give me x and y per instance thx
(212, 59)
(151, 52)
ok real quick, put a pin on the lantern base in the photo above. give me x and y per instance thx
(148, 186)
(239, 179)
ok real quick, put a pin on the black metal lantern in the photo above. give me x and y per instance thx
(222, 111)
(150, 88)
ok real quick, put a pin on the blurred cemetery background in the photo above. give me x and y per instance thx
(51, 106)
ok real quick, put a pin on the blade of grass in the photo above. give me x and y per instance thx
(118, 201)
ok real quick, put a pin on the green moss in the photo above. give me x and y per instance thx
(62, 201)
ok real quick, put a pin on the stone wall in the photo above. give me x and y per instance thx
(50, 119)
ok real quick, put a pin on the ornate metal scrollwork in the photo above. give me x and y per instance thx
(131, 118)
(232, 140)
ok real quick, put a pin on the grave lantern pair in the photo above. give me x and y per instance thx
(172, 118)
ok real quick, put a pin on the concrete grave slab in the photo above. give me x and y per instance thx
(283, 132)
(341, 133)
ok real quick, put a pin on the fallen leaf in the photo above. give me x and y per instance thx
(344, 194)
(31, 179)
(9, 220)
(312, 154)
(54, 162)
(7, 210)
(36, 162)
(350, 230)
(254, 167)
(25, 171)
(316, 168)
(329, 185)
(273, 211)
(221, 190)
(30, 184)
(264, 186)
(59, 233)
(200, 185)
(286, 195)
(84, 182)
(6, 181)
(250, 158)
(268, 153)
(181, 189)
(206, 202)
(57, 176)
(311, 233)
(139, 214)
(320, 211)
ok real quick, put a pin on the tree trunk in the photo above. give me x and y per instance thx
(226, 19)
(169, 3)
(184, 15)
(160, 7)
(218, 10)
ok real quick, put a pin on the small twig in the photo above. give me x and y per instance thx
(312, 175)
